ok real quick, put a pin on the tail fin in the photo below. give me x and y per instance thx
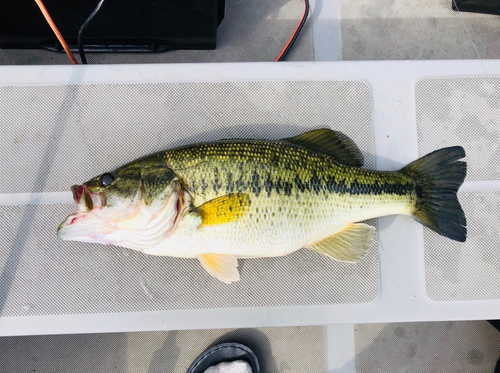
(438, 176)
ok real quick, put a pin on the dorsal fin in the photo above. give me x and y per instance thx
(333, 143)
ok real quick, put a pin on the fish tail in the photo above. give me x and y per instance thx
(438, 176)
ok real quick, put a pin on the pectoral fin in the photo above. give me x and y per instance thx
(349, 245)
(222, 267)
(225, 209)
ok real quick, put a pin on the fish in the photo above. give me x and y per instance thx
(230, 199)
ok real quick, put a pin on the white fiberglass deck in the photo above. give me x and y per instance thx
(62, 125)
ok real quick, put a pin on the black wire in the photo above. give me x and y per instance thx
(306, 13)
(80, 32)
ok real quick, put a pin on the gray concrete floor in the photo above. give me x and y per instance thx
(292, 349)
(465, 346)
(451, 346)
(416, 30)
(256, 31)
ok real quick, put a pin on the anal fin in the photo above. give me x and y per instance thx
(349, 245)
(222, 267)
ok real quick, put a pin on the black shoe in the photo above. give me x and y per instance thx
(224, 352)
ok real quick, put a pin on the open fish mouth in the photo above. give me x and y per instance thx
(86, 200)
(87, 203)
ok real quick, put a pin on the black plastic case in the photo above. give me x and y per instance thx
(477, 6)
(119, 26)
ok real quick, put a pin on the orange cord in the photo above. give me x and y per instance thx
(56, 31)
(293, 35)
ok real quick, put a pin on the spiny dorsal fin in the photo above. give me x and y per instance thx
(222, 267)
(333, 143)
(349, 245)
(225, 209)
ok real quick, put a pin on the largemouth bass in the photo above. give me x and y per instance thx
(231, 199)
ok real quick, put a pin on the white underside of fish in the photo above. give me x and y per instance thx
(252, 237)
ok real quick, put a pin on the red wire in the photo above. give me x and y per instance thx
(293, 35)
(56, 31)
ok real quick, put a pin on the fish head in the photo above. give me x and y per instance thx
(135, 206)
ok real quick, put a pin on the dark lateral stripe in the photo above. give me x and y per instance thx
(331, 185)
(357, 188)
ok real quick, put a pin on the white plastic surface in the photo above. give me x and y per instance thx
(340, 351)
(403, 292)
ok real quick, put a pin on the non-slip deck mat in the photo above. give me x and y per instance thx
(56, 136)
(466, 112)
(469, 270)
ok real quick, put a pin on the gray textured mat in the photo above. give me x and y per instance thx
(469, 270)
(55, 136)
(463, 111)
(279, 350)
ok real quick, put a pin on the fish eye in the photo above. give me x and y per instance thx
(106, 180)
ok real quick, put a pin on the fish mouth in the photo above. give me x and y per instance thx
(87, 203)
(86, 200)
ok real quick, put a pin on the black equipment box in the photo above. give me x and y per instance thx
(119, 26)
(477, 6)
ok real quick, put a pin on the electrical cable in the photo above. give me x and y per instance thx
(295, 34)
(54, 28)
(83, 27)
